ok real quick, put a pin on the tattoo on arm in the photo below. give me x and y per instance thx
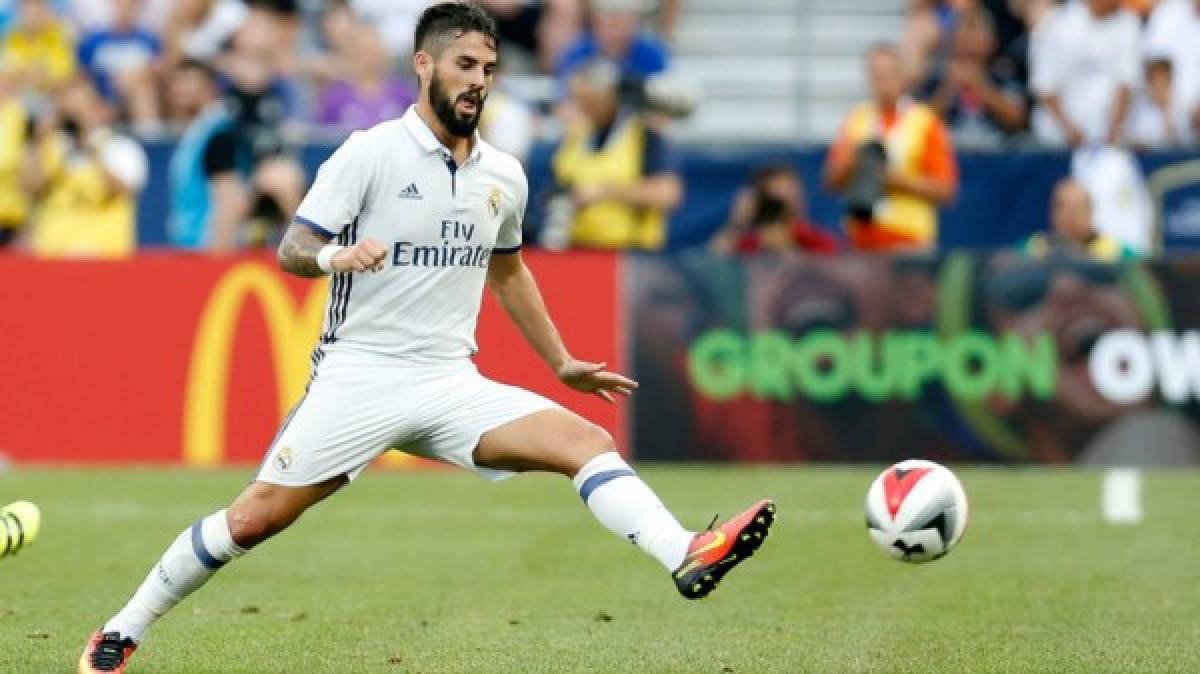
(298, 251)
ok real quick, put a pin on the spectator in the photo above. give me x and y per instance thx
(507, 122)
(14, 205)
(284, 17)
(1084, 72)
(396, 21)
(1173, 32)
(39, 50)
(1158, 118)
(330, 60)
(199, 29)
(615, 34)
(1072, 233)
(894, 161)
(1121, 206)
(667, 18)
(369, 94)
(209, 168)
(541, 28)
(980, 105)
(92, 15)
(771, 213)
(925, 41)
(9, 9)
(85, 178)
(262, 103)
(620, 176)
(121, 59)
(1012, 61)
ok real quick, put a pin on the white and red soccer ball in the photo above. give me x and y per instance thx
(916, 511)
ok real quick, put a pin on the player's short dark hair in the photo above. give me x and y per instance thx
(445, 21)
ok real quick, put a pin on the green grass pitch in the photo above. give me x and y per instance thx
(442, 572)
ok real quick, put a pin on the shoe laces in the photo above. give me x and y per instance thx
(110, 652)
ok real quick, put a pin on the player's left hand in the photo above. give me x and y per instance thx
(593, 378)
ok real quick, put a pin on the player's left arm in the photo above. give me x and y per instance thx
(514, 286)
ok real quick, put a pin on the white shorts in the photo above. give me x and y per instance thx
(356, 408)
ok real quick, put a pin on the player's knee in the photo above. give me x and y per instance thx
(249, 526)
(594, 440)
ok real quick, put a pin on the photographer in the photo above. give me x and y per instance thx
(770, 214)
(83, 177)
(893, 161)
(617, 174)
(255, 146)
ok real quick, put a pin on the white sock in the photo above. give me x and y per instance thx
(628, 508)
(191, 560)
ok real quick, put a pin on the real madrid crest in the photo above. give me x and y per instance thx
(494, 202)
(283, 460)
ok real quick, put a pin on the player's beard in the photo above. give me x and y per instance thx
(447, 112)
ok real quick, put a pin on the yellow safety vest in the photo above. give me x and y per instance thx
(14, 205)
(81, 215)
(609, 224)
(898, 212)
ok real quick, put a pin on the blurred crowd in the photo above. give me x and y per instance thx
(1101, 78)
(242, 84)
(1074, 73)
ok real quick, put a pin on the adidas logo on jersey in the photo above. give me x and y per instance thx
(410, 192)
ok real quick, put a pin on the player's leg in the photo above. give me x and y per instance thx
(342, 423)
(261, 511)
(559, 441)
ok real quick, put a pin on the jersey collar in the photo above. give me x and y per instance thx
(429, 142)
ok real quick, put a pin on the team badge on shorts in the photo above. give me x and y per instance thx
(283, 460)
(494, 202)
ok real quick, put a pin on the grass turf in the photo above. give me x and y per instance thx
(442, 572)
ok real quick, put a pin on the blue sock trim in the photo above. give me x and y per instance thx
(202, 552)
(599, 479)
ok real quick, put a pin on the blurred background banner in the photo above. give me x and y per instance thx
(173, 358)
(983, 358)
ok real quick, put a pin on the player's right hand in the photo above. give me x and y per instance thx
(366, 255)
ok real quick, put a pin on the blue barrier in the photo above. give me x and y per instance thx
(1003, 196)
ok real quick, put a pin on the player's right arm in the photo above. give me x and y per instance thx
(301, 245)
(335, 199)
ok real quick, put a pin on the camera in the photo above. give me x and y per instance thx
(866, 184)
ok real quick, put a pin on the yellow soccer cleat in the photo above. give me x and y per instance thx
(19, 525)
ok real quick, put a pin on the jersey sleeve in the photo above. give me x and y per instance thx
(340, 190)
(508, 240)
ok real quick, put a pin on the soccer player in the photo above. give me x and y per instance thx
(412, 218)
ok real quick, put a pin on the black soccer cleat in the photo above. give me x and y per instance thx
(714, 552)
(106, 653)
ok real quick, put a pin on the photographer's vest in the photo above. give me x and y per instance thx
(80, 214)
(14, 204)
(900, 219)
(619, 161)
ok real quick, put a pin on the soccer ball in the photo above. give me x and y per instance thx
(19, 525)
(916, 511)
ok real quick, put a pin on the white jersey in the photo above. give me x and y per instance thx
(441, 223)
